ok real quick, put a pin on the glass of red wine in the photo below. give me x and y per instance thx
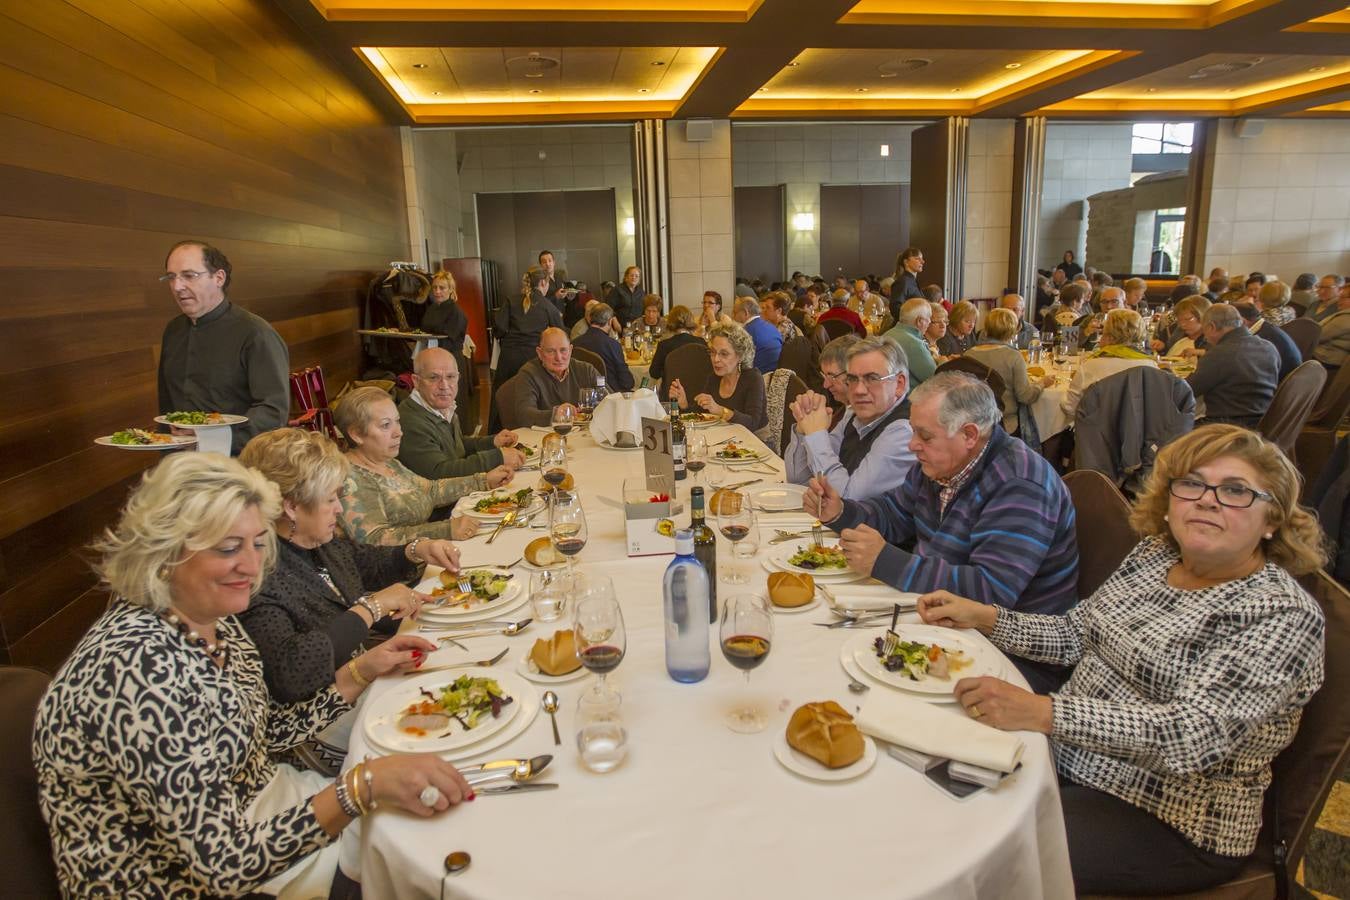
(567, 525)
(696, 454)
(746, 635)
(564, 417)
(597, 623)
(553, 462)
(735, 518)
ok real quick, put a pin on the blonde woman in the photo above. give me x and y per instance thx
(997, 352)
(1192, 664)
(1122, 330)
(155, 745)
(1273, 301)
(735, 389)
(443, 315)
(383, 501)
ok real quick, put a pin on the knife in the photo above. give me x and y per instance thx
(507, 768)
(517, 788)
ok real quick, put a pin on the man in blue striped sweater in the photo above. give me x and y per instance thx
(983, 515)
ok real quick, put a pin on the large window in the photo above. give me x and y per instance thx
(1162, 137)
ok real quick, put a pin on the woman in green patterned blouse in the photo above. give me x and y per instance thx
(382, 501)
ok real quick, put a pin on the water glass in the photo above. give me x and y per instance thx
(549, 589)
(602, 740)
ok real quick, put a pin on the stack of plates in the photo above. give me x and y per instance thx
(514, 597)
(777, 561)
(859, 659)
(454, 744)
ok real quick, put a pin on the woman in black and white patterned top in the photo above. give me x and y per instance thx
(1194, 661)
(153, 744)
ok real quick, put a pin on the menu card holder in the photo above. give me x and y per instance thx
(644, 509)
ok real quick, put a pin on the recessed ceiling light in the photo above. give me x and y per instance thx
(762, 91)
(1153, 90)
(435, 93)
(793, 65)
(419, 65)
(644, 90)
(1013, 66)
(862, 90)
(956, 90)
(535, 91)
(1317, 68)
(657, 62)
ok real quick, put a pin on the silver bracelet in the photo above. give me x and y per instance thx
(344, 798)
(411, 550)
(369, 778)
(372, 606)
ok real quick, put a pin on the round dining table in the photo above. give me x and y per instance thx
(697, 810)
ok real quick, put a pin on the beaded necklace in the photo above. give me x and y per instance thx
(215, 651)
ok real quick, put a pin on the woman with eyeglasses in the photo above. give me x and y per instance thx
(735, 389)
(1193, 663)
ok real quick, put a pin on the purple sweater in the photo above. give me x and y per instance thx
(1007, 537)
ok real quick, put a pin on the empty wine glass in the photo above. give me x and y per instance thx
(567, 525)
(696, 454)
(746, 636)
(597, 623)
(564, 417)
(734, 520)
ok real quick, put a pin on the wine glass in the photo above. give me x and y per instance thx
(746, 635)
(553, 462)
(734, 520)
(564, 416)
(586, 404)
(567, 525)
(597, 623)
(696, 454)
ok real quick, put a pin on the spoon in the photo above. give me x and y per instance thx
(857, 686)
(551, 707)
(457, 862)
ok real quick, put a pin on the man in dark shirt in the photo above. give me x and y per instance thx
(554, 289)
(598, 339)
(1284, 345)
(543, 383)
(218, 357)
(1238, 374)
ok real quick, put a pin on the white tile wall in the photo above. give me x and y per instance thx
(989, 162)
(440, 211)
(1281, 199)
(702, 251)
(1080, 160)
(803, 157)
(575, 158)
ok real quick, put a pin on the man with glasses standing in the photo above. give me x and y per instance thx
(867, 453)
(218, 357)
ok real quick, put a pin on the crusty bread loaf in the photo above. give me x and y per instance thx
(556, 655)
(826, 733)
(540, 553)
(791, 589)
(724, 503)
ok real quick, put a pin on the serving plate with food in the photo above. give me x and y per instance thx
(492, 591)
(733, 453)
(822, 743)
(140, 439)
(928, 660)
(805, 556)
(199, 419)
(490, 506)
(441, 712)
(697, 419)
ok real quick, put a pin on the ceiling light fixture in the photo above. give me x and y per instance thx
(862, 90)
(644, 90)
(1317, 68)
(435, 93)
(657, 62)
(1013, 66)
(419, 65)
(793, 65)
(804, 221)
(535, 91)
(885, 149)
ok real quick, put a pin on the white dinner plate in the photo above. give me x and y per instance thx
(984, 659)
(759, 457)
(382, 720)
(844, 576)
(178, 442)
(605, 445)
(784, 552)
(225, 419)
(525, 668)
(778, 497)
(799, 763)
(501, 603)
(793, 610)
(465, 505)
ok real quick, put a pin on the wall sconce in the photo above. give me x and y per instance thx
(628, 226)
(885, 149)
(804, 221)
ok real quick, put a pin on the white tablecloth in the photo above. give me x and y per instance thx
(697, 810)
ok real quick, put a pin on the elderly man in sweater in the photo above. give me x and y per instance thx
(1239, 372)
(434, 445)
(982, 515)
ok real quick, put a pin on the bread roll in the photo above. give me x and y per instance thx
(1035, 371)
(556, 655)
(724, 503)
(791, 589)
(540, 553)
(826, 733)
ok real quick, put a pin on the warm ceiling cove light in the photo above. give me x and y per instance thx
(1013, 66)
(1317, 69)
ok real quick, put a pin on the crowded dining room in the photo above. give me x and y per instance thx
(886, 449)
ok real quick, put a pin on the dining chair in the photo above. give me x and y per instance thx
(1292, 406)
(974, 367)
(800, 355)
(1102, 525)
(1316, 441)
(689, 364)
(310, 394)
(589, 356)
(30, 870)
(781, 388)
(505, 397)
(1124, 420)
(836, 328)
(1303, 774)
(1305, 333)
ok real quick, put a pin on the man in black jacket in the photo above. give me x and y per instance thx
(599, 341)
(1290, 357)
(1238, 374)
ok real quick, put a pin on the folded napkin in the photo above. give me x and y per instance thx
(617, 421)
(938, 730)
(871, 595)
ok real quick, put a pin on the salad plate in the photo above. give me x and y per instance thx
(198, 419)
(491, 506)
(441, 712)
(139, 439)
(805, 558)
(966, 657)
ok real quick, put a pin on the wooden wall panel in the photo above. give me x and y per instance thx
(126, 125)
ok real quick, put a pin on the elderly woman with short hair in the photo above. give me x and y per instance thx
(384, 502)
(1122, 330)
(735, 389)
(1273, 301)
(1188, 335)
(679, 332)
(1193, 663)
(960, 334)
(996, 351)
(327, 594)
(155, 745)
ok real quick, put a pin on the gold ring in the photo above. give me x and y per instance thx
(975, 711)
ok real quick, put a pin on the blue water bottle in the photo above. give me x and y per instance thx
(687, 593)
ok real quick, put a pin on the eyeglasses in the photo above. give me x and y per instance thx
(830, 376)
(871, 379)
(1233, 496)
(189, 275)
(721, 354)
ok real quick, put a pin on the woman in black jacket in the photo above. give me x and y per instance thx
(679, 333)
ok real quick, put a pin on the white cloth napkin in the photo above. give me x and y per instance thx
(624, 413)
(871, 595)
(938, 730)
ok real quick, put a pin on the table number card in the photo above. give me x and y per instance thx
(658, 459)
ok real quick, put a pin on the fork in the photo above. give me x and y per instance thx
(891, 642)
(464, 665)
(818, 536)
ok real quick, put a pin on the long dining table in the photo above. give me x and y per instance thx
(697, 810)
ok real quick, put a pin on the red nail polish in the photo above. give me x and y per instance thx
(471, 797)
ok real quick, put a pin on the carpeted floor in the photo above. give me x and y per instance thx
(1325, 871)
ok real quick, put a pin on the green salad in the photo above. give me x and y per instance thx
(139, 437)
(487, 584)
(812, 557)
(495, 503)
(468, 700)
(195, 417)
